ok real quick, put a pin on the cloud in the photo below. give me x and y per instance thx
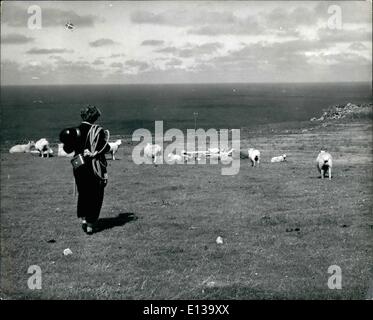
(17, 16)
(61, 71)
(202, 22)
(239, 57)
(341, 67)
(289, 19)
(204, 49)
(97, 62)
(357, 46)
(174, 62)
(182, 17)
(344, 58)
(272, 53)
(64, 63)
(262, 61)
(48, 51)
(152, 43)
(116, 65)
(15, 38)
(290, 60)
(117, 55)
(102, 42)
(74, 72)
(344, 35)
(277, 56)
(280, 21)
(191, 50)
(283, 22)
(170, 49)
(137, 64)
(239, 26)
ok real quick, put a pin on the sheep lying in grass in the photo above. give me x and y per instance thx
(324, 163)
(62, 153)
(213, 150)
(22, 148)
(227, 153)
(185, 155)
(254, 156)
(279, 158)
(152, 151)
(221, 154)
(42, 145)
(114, 146)
(172, 158)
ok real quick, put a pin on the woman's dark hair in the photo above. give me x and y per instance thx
(90, 114)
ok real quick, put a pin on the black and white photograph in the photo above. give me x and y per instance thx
(186, 151)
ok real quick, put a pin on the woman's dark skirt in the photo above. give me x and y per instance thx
(90, 193)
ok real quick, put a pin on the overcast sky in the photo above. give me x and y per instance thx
(183, 42)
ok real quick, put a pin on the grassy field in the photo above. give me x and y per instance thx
(282, 226)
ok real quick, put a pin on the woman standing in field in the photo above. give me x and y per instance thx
(90, 144)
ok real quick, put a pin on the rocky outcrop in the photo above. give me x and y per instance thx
(348, 110)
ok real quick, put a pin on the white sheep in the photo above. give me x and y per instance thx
(172, 158)
(254, 156)
(222, 154)
(114, 146)
(22, 148)
(213, 150)
(279, 158)
(324, 163)
(152, 151)
(227, 153)
(62, 153)
(42, 145)
(185, 155)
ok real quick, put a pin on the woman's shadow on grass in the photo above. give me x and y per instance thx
(120, 220)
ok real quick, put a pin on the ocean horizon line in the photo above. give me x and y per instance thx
(186, 83)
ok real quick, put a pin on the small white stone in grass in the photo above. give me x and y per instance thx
(67, 252)
(219, 240)
(211, 284)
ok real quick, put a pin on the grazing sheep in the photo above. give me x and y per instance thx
(152, 151)
(324, 163)
(223, 154)
(22, 148)
(213, 150)
(114, 146)
(254, 156)
(172, 158)
(62, 153)
(279, 158)
(43, 147)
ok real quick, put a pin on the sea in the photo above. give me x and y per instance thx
(34, 112)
